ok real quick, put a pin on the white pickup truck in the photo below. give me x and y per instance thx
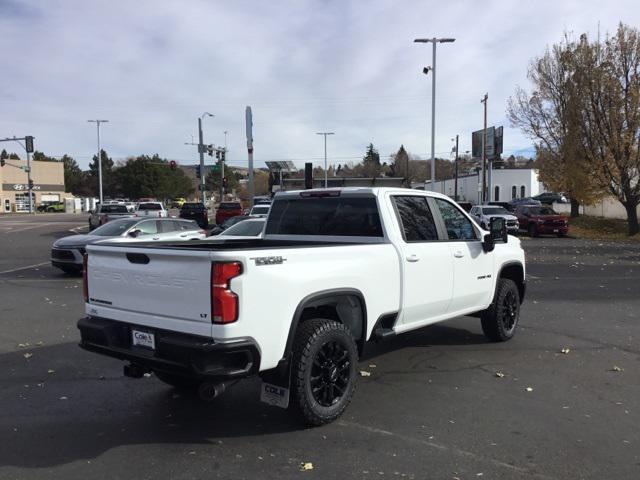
(335, 269)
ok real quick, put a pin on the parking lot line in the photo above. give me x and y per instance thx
(454, 450)
(24, 268)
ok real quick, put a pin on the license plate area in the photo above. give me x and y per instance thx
(143, 339)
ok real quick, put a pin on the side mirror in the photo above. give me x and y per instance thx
(134, 233)
(498, 230)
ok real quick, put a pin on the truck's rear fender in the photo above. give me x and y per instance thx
(345, 305)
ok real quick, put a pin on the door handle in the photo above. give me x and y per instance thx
(458, 254)
(183, 235)
(156, 238)
(413, 258)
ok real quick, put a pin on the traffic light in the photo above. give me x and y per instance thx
(28, 143)
(225, 182)
(223, 154)
(172, 164)
(210, 151)
(198, 171)
(217, 154)
(30, 184)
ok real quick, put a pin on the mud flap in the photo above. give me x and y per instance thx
(274, 389)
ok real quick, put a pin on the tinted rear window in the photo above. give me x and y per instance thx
(113, 209)
(149, 206)
(331, 216)
(229, 206)
(193, 206)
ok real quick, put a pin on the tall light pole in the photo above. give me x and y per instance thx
(484, 150)
(98, 122)
(325, 154)
(201, 152)
(434, 41)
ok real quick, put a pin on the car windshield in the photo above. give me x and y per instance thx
(248, 228)
(149, 206)
(229, 206)
(495, 211)
(260, 210)
(193, 206)
(542, 211)
(114, 228)
(113, 209)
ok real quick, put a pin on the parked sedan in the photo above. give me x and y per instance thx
(551, 197)
(67, 252)
(538, 220)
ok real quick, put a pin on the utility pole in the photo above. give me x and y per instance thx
(201, 149)
(97, 122)
(484, 150)
(325, 155)
(248, 116)
(455, 195)
(224, 157)
(426, 70)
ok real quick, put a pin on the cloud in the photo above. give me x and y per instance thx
(350, 67)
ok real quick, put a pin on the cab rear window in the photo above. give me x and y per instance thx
(330, 216)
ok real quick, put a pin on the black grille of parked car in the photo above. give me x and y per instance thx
(512, 223)
(62, 254)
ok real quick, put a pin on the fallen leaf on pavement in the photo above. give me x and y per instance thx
(372, 365)
(616, 369)
(499, 374)
(28, 355)
(50, 371)
(364, 373)
(565, 351)
(306, 466)
(63, 398)
(529, 389)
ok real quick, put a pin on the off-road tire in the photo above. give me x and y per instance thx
(312, 339)
(500, 320)
(177, 381)
(532, 230)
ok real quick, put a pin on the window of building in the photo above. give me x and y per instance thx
(514, 192)
(522, 192)
(496, 195)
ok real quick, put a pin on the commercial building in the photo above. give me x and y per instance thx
(507, 185)
(48, 184)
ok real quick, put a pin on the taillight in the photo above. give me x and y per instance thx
(85, 277)
(224, 303)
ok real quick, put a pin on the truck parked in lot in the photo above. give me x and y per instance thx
(109, 211)
(335, 269)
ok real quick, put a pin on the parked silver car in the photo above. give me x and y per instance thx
(67, 252)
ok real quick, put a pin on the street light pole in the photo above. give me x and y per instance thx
(325, 155)
(98, 122)
(434, 41)
(455, 195)
(484, 149)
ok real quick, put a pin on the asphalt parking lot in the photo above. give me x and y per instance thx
(433, 406)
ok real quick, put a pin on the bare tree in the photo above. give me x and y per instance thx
(549, 115)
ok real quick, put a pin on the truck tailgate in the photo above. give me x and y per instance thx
(163, 288)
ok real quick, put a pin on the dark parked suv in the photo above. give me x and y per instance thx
(197, 212)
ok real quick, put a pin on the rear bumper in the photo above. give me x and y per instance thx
(178, 353)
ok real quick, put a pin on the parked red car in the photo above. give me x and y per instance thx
(537, 219)
(227, 210)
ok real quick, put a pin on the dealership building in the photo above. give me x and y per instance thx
(48, 184)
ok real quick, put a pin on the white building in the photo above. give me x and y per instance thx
(507, 185)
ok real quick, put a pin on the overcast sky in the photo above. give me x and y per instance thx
(152, 67)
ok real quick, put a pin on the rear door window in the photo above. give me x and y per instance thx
(416, 219)
(325, 216)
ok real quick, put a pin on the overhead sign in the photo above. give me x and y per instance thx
(494, 143)
(282, 166)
